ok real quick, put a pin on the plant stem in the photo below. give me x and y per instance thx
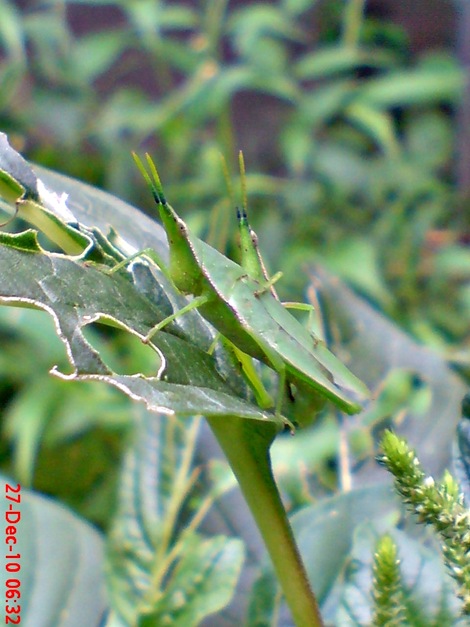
(246, 444)
(352, 22)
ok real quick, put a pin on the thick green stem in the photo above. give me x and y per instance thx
(246, 444)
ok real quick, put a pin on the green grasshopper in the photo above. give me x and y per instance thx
(239, 302)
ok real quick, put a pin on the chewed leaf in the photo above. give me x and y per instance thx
(26, 241)
(31, 200)
(16, 174)
(187, 381)
(96, 208)
(18, 182)
(184, 400)
(57, 203)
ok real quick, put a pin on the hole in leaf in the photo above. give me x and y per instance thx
(123, 352)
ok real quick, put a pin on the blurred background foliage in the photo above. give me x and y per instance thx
(350, 130)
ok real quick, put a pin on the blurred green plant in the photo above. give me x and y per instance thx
(153, 521)
(63, 441)
(347, 136)
(349, 141)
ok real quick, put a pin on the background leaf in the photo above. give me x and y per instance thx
(325, 534)
(155, 575)
(62, 579)
(363, 332)
(428, 587)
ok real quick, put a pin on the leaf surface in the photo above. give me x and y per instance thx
(155, 575)
(77, 295)
(62, 580)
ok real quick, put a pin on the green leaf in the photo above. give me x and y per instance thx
(95, 53)
(319, 106)
(325, 534)
(47, 419)
(250, 24)
(239, 78)
(377, 124)
(27, 241)
(413, 87)
(49, 38)
(11, 75)
(153, 18)
(399, 393)
(20, 187)
(26, 419)
(295, 458)
(429, 139)
(17, 179)
(202, 583)
(11, 32)
(453, 263)
(61, 564)
(362, 332)
(297, 7)
(338, 59)
(94, 207)
(356, 260)
(325, 531)
(264, 602)
(77, 295)
(159, 570)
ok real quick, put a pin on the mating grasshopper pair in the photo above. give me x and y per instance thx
(240, 302)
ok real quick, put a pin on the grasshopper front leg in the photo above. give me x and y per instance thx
(194, 304)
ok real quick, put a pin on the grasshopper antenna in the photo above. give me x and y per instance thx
(156, 179)
(220, 217)
(253, 251)
(241, 165)
(228, 180)
(153, 181)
